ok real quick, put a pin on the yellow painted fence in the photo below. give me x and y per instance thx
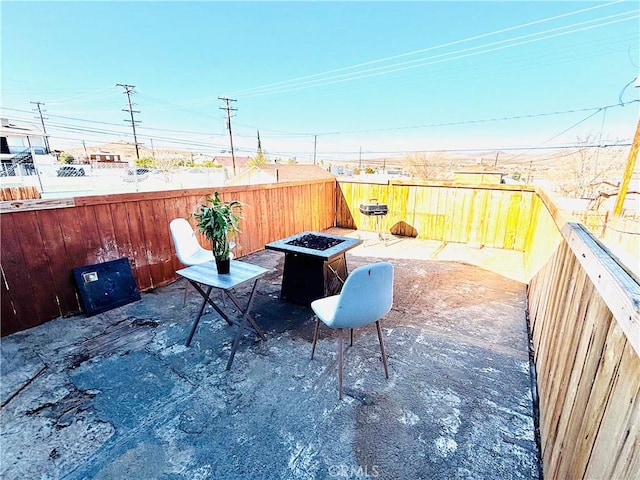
(488, 215)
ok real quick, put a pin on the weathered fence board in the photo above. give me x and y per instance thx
(57, 253)
(140, 261)
(36, 266)
(21, 295)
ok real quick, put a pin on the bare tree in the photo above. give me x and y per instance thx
(588, 167)
(427, 166)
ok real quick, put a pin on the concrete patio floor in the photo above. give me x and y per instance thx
(118, 395)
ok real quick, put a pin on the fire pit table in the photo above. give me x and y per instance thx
(314, 265)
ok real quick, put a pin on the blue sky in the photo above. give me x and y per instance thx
(384, 77)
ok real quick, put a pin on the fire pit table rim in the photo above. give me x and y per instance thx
(328, 254)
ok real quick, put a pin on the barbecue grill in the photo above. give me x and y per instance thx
(377, 210)
(374, 209)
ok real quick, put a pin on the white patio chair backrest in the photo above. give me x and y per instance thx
(188, 249)
(367, 296)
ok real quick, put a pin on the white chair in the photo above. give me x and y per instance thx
(366, 297)
(188, 249)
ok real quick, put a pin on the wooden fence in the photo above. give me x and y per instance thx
(43, 240)
(621, 233)
(584, 313)
(488, 215)
(19, 193)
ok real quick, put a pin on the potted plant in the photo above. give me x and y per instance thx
(218, 221)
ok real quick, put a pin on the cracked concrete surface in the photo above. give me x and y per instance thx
(118, 395)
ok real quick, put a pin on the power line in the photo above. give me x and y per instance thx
(373, 130)
(332, 76)
(176, 141)
(114, 124)
(560, 133)
(474, 121)
(183, 141)
(423, 50)
(84, 130)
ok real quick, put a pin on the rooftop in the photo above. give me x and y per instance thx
(118, 395)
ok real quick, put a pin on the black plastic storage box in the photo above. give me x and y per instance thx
(107, 285)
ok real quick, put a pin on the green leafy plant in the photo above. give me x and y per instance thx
(66, 158)
(146, 162)
(219, 221)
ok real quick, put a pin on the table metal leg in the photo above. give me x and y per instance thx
(211, 302)
(252, 322)
(207, 299)
(204, 303)
(243, 322)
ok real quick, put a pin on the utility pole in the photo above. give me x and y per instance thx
(628, 171)
(44, 130)
(128, 89)
(315, 143)
(229, 109)
(631, 161)
(360, 160)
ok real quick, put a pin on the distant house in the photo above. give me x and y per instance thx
(607, 196)
(227, 162)
(394, 171)
(276, 173)
(105, 157)
(478, 174)
(20, 148)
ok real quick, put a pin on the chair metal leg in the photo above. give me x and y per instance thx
(384, 354)
(184, 300)
(351, 344)
(340, 363)
(315, 337)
